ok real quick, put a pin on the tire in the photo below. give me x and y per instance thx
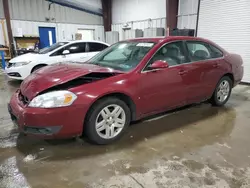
(108, 123)
(37, 67)
(219, 99)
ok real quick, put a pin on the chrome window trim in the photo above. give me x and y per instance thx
(146, 71)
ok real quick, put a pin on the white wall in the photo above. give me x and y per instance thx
(139, 14)
(187, 14)
(63, 31)
(133, 10)
(161, 22)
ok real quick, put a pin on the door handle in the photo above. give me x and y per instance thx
(182, 72)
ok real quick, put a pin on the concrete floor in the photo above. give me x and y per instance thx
(198, 146)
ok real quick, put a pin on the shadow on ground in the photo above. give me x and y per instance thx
(137, 133)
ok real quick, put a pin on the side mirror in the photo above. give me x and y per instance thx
(159, 64)
(65, 52)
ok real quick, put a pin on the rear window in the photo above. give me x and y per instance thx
(96, 47)
(215, 52)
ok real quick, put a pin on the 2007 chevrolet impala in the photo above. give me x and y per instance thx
(126, 82)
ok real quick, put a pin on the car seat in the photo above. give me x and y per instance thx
(200, 55)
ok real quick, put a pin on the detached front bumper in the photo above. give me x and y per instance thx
(64, 122)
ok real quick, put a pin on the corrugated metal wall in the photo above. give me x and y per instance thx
(38, 10)
(228, 26)
(28, 15)
(187, 14)
(132, 10)
(137, 14)
(63, 31)
(160, 22)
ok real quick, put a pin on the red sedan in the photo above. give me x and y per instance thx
(128, 81)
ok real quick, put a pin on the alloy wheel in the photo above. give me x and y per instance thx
(110, 121)
(223, 91)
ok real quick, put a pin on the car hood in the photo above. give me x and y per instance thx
(26, 57)
(58, 74)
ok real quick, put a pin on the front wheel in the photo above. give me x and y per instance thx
(107, 121)
(37, 68)
(222, 92)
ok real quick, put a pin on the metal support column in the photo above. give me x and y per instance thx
(172, 12)
(9, 30)
(107, 14)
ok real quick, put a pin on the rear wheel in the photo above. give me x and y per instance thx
(222, 92)
(107, 121)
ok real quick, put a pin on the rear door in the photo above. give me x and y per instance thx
(202, 73)
(77, 52)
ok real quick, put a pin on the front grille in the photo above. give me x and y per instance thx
(23, 99)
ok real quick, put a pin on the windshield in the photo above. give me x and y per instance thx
(52, 47)
(123, 56)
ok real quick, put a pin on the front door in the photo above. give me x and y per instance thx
(164, 89)
(77, 51)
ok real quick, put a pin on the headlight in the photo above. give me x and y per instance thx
(18, 64)
(53, 99)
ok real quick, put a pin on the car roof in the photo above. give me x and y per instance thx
(165, 39)
(73, 41)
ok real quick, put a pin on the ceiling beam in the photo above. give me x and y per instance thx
(74, 5)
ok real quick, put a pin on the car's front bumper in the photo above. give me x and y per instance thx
(18, 73)
(63, 122)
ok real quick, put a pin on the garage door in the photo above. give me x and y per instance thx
(228, 24)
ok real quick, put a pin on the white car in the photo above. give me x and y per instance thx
(20, 67)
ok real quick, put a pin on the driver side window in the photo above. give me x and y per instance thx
(172, 53)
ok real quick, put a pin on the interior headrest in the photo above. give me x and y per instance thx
(200, 54)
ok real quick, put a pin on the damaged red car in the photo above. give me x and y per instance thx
(128, 81)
